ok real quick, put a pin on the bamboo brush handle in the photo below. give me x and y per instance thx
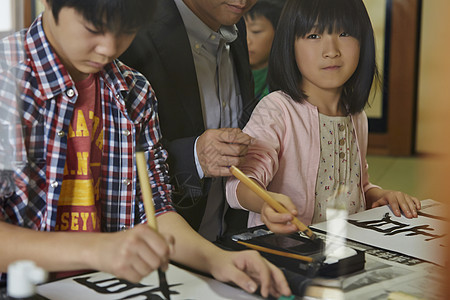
(269, 200)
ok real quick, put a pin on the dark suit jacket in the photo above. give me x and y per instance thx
(161, 51)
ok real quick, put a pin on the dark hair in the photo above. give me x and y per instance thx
(270, 9)
(298, 18)
(111, 15)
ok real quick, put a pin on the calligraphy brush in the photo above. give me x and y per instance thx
(150, 211)
(256, 188)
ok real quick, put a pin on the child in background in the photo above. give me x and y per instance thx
(261, 22)
(311, 132)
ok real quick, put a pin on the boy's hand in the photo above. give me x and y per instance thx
(399, 202)
(276, 222)
(248, 270)
(133, 254)
(218, 149)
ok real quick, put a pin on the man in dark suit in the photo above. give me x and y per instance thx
(194, 53)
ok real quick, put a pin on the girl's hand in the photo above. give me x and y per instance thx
(276, 222)
(248, 270)
(399, 202)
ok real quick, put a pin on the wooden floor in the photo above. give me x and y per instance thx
(408, 174)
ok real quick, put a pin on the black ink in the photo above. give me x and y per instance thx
(432, 216)
(396, 228)
(102, 287)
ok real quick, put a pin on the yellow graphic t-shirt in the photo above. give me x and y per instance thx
(79, 207)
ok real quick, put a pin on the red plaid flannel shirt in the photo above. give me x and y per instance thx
(47, 95)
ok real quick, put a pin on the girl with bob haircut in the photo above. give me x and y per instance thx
(311, 132)
(299, 18)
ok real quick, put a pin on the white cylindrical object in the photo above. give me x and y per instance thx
(336, 229)
(22, 278)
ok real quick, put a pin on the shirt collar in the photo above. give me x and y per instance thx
(200, 34)
(50, 73)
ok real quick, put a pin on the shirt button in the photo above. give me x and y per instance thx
(117, 96)
(70, 93)
(341, 142)
(61, 133)
(126, 181)
(54, 184)
(224, 104)
(341, 128)
(126, 132)
(341, 155)
(213, 37)
(197, 46)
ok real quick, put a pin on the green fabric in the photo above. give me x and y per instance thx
(261, 87)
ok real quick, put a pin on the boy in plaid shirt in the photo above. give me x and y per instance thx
(83, 113)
